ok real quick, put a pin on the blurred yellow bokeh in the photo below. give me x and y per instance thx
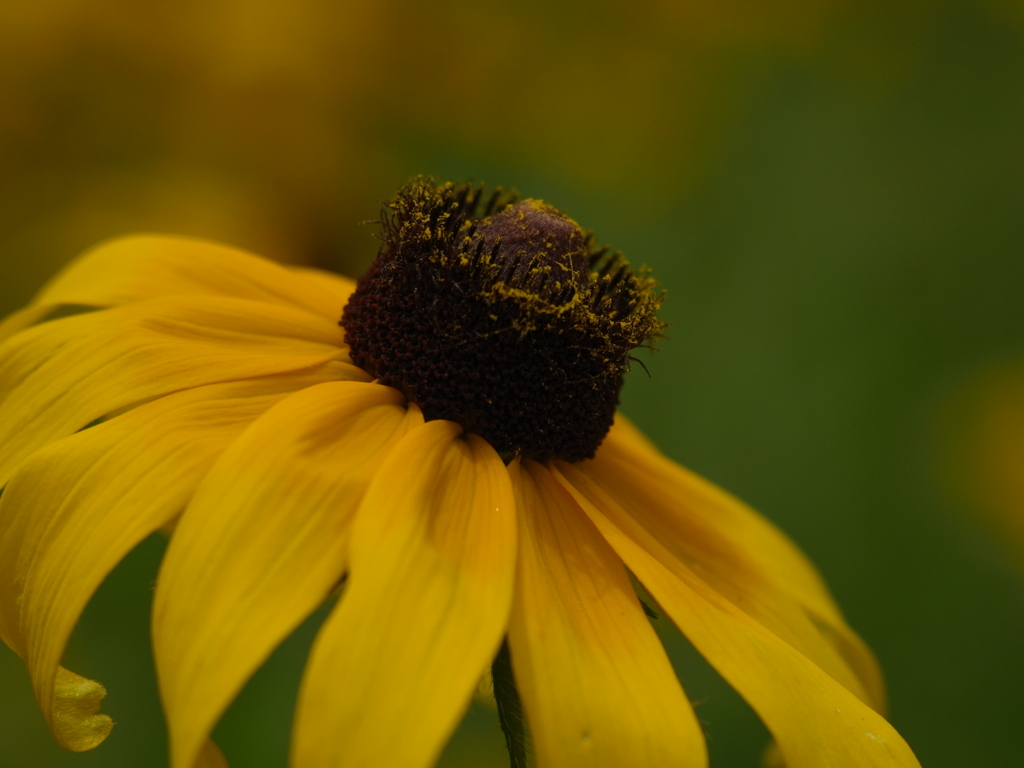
(984, 451)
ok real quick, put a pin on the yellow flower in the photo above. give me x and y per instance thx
(217, 383)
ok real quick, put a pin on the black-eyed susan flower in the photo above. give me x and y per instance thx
(451, 459)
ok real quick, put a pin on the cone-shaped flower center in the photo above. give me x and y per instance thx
(501, 316)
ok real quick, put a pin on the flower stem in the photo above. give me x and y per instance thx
(510, 708)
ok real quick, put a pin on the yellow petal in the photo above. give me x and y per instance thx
(337, 285)
(738, 553)
(425, 607)
(60, 376)
(816, 722)
(143, 267)
(22, 319)
(78, 506)
(75, 703)
(719, 519)
(261, 545)
(596, 684)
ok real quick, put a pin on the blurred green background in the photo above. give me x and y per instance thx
(832, 194)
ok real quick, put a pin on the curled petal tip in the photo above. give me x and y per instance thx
(74, 721)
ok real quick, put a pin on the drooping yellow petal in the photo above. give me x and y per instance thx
(722, 519)
(337, 285)
(425, 607)
(595, 682)
(22, 319)
(144, 267)
(262, 543)
(738, 553)
(60, 376)
(73, 714)
(816, 722)
(76, 507)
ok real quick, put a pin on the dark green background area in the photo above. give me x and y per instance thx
(843, 248)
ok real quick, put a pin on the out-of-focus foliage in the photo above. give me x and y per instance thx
(278, 125)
